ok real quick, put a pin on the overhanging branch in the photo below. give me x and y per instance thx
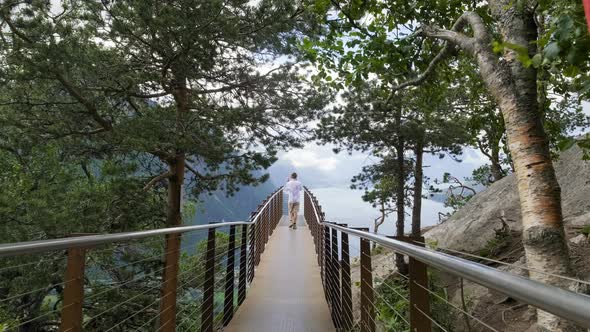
(453, 37)
(157, 179)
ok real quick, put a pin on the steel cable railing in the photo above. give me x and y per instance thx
(88, 321)
(495, 261)
(414, 309)
(119, 288)
(436, 296)
(380, 297)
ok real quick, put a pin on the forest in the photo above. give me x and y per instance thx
(121, 115)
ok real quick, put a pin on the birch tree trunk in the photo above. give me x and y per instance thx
(514, 87)
(400, 199)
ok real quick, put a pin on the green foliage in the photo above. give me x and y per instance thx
(458, 192)
(111, 70)
(585, 230)
(497, 244)
(377, 250)
(99, 97)
(482, 175)
(393, 309)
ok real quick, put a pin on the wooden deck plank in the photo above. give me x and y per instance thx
(286, 294)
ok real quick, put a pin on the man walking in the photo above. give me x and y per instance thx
(293, 188)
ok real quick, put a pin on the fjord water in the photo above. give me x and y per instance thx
(343, 205)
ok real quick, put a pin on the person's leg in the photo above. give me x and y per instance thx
(294, 212)
(291, 208)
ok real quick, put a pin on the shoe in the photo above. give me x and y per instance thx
(294, 226)
(291, 226)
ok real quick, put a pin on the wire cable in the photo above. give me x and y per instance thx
(457, 308)
(507, 264)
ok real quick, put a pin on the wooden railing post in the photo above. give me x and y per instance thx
(170, 284)
(277, 216)
(322, 238)
(367, 292)
(259, 248)
(271, 218)
(209, 284)
(419, 297)
(336, 288)
(228, 306)
(326, 268)
(267, 222)
(73, 298)
(243, 265)
(282, 203)
(345, 281)
(252, 255)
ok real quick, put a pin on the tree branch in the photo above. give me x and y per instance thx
(242, 84)
(72, 90)
(15, 30)
(350, 20)
(90, 107)
(201, 176)
(453, 37)
(446, 51)
(157, 179)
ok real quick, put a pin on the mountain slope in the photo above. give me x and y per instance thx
(474, 225)
(220, 207)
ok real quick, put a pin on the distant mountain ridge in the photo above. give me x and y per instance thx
(218, 207)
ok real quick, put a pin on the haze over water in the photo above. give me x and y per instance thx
(343, 205)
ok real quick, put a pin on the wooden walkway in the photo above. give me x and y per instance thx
(286, 294)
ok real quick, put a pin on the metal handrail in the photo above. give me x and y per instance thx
(558, 301)
(29, 247)
(257, 216)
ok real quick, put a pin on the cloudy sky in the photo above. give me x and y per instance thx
(328, 175)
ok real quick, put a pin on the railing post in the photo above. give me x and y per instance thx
(209, 284)
(336, 289)
(322, 238)
(243, 266)
(228, 306)
(252, 255)
(71, 312)
(263, 222)
(259, 235)
(326, 268)
(273, 214)
(281, 203)
(419, 297)
(346, 281)
(275, 210)
(267, 222)
(170, 281)
(367, 292)
(265, 218)
(321, 241)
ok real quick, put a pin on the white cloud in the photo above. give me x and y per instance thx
(473, 156)
(303, 158)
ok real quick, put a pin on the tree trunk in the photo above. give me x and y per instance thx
(379, 221)
(515, 90)
(497, 171)
(173, 217)
(418, 180)
(400, 263)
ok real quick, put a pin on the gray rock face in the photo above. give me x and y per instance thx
(472, 226)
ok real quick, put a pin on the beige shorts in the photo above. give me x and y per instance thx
(293, 211)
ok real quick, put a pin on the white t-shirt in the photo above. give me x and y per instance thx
(293, 188)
